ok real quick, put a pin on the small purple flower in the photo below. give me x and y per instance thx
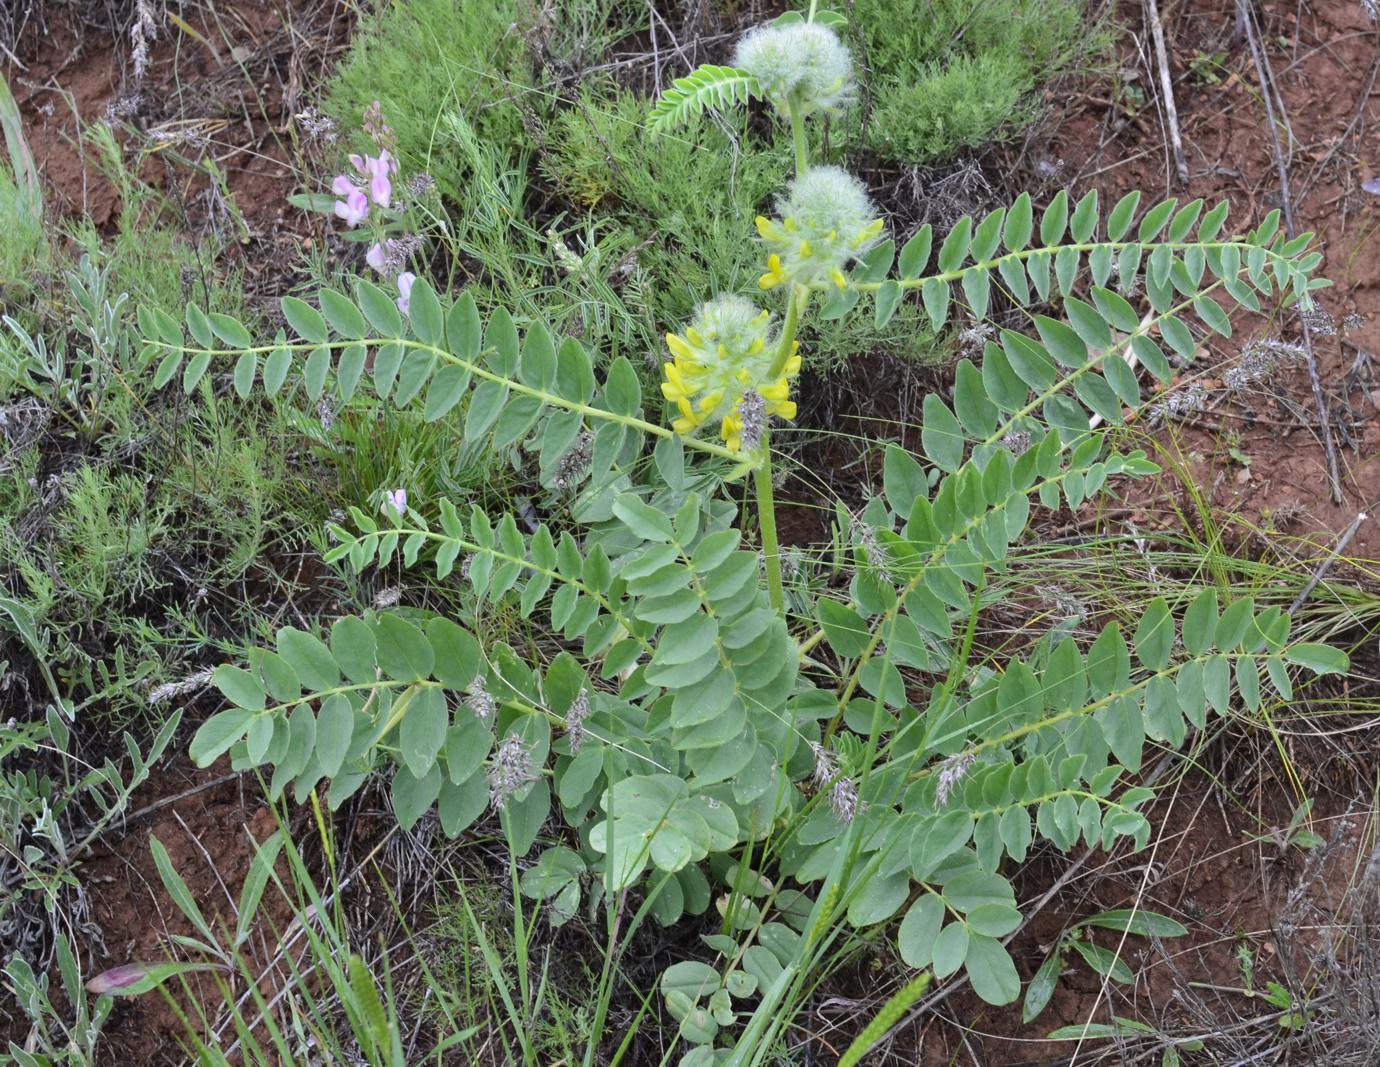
(1371, 185)
(405, 280)
(354, 209)
(397, 500)
(342, 186)
(117, 978)
(376, 257)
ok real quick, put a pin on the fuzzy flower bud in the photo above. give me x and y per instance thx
(575, 717)
(803, 63)
(952, 771)
(726, 353)
(481, 702)
(510, 770)
(827, 220)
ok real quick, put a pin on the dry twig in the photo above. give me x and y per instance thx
(1171, 112)
(1267, 88)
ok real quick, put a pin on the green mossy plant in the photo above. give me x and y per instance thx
(950, 74)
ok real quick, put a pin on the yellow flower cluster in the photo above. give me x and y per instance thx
(802, 263)
(725, 354)
(827, 221)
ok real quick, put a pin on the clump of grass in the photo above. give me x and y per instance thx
(693, 198)
(159, 267)
(477, 953)
(949, 74)
(24, 250)
(427, 58)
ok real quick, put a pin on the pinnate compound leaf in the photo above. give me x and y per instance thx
(709, 86)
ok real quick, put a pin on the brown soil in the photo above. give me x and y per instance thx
(224, 91)
(211, 836)
(1324, 57)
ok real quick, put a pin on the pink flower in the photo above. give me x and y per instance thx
(376, 257)
(354, 209)
(377, 170)
(397, 500)
(342, 186)
(380, 188)
(405, 280)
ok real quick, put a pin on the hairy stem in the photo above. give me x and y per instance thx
(762, 476)
(795, 305)
(802, 151)
(766, 520)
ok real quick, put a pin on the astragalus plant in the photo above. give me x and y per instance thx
(687, 743)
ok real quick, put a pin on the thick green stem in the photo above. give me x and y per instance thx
(802, 151)
(766, 521)
(795, 305)
(766, 500)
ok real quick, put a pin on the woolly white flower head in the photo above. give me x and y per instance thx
(803, 61)
(827, 219)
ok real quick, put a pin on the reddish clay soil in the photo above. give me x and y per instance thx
(210, 823)
(224, 90)
(1322, 60)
